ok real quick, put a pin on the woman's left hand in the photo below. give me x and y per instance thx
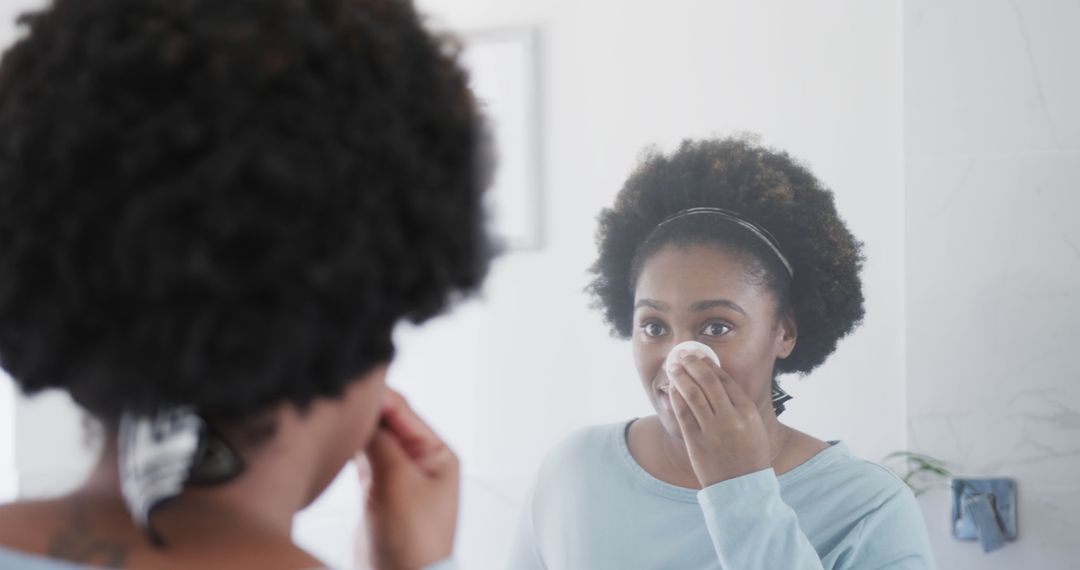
(412, 507)
(721, 425)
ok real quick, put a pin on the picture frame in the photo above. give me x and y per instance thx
(503, 66)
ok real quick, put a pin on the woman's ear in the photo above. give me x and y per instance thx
(787, 334)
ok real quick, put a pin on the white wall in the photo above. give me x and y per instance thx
(8, 486)
(992, 171)
(8, 393)
(55, 445)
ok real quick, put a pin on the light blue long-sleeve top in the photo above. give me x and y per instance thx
(593, 507)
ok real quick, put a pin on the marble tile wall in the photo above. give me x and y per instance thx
(992, 186)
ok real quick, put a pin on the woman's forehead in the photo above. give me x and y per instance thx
(681, 277)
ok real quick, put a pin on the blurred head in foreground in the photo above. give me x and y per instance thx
(225, 207)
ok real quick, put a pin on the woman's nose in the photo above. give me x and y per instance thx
(681, 337)
(675, 340)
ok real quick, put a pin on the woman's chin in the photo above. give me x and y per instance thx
(661, 403)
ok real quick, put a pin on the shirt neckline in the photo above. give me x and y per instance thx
(687, 495)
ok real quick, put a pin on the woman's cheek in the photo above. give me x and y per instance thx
(747, 378)
(641, 353)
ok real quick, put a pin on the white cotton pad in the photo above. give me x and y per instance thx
(690, 347)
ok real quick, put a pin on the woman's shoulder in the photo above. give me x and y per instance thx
(838, 473)
(24, 524)
(68, 533)
(573, 469)
(24, 530)
(583, 450)
(587, 442)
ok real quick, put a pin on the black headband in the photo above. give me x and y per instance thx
(730, 216)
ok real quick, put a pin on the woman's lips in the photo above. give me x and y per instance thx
(664, 396)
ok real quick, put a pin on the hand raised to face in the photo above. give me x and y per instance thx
(721, 426)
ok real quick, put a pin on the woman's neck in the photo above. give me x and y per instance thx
(671, 460)
(263, 499)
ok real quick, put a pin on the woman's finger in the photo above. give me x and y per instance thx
(419, 440)
(704, 373)
(415, 434)
(688, 423)
(386, 456)
(363, 469)
(691, 393)
(738, 397)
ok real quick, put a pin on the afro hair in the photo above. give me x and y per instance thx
(228, 205)
(765, 186)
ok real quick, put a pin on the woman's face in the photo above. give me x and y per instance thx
(704, 293)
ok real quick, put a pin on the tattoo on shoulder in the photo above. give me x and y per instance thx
(77, 543)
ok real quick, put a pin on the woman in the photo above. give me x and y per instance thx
(212, 214)
(740, 248)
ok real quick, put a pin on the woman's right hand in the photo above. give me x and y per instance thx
(723, 428)
(412, 503)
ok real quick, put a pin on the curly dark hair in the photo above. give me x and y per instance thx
(763, 185)
(228, 205)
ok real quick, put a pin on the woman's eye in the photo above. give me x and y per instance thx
(716, 329)
(652, 328)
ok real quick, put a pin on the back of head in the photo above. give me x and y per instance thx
(228, 204)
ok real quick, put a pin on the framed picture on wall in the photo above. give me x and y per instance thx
(503, 69)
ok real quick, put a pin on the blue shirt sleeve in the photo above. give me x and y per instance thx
(752, 527)
(525, 553)
(893, 536)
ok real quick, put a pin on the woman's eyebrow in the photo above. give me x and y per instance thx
(696, 307)
(659, 306)
(705, 305)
